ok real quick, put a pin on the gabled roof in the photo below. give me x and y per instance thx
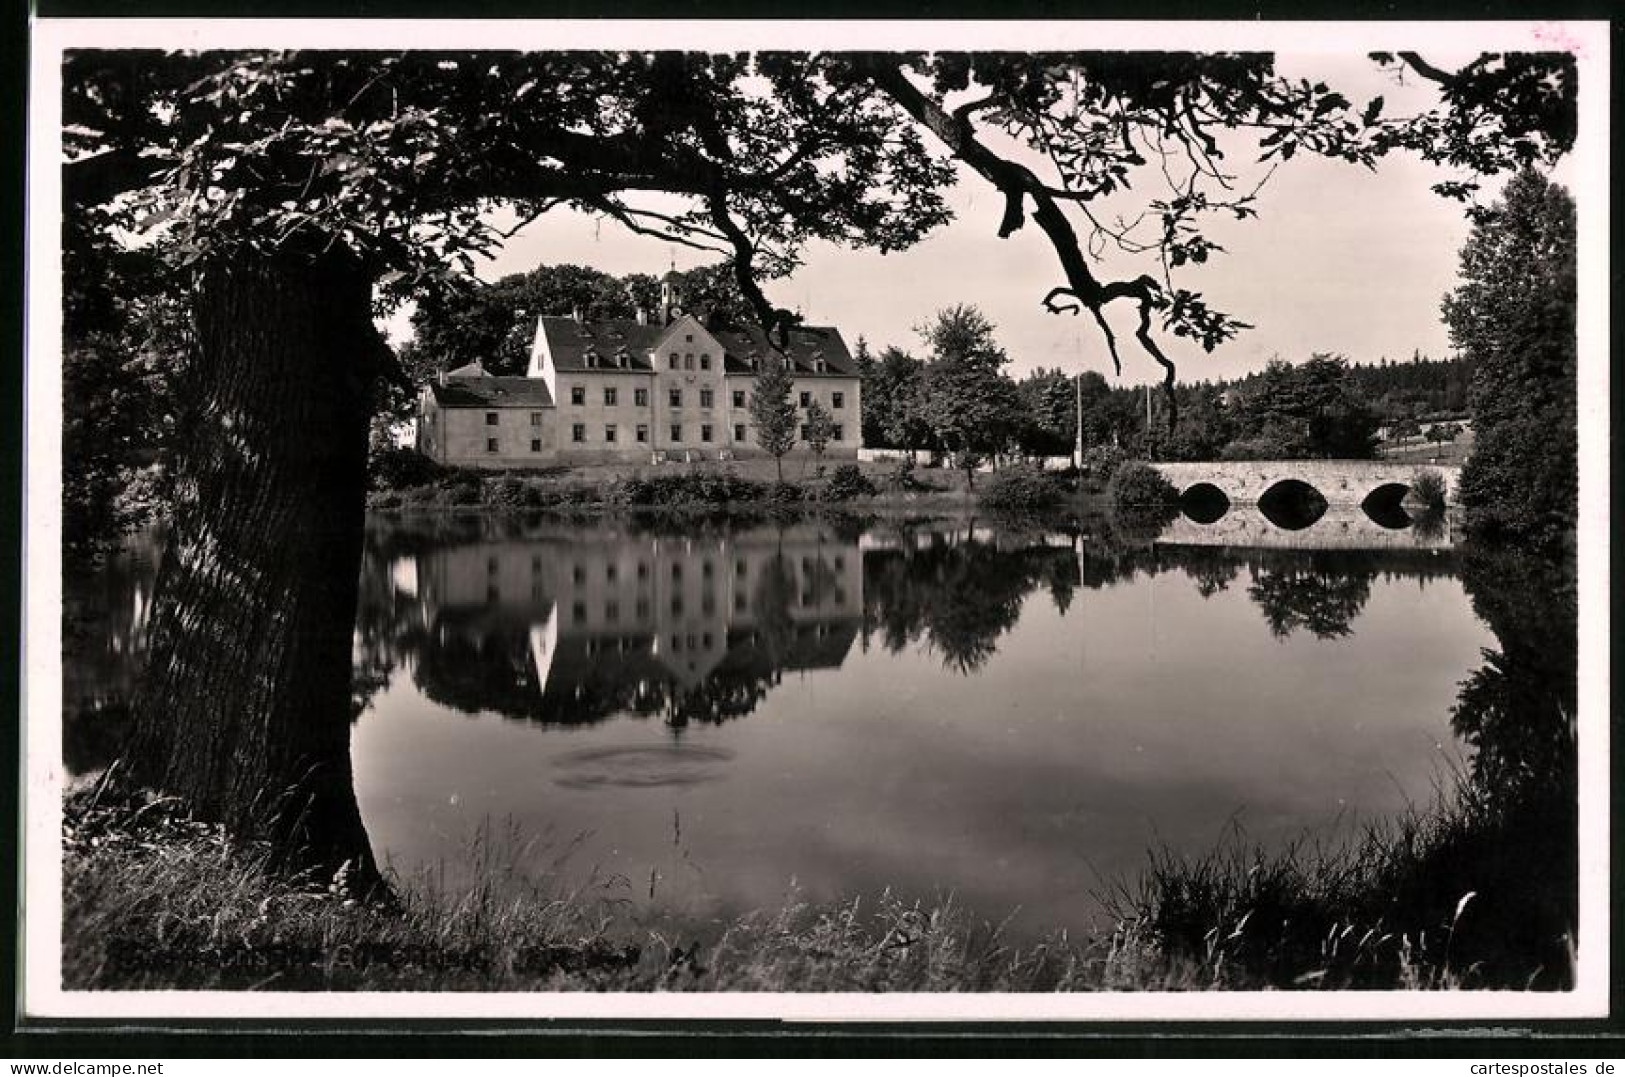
(807, 345)
(617, 345)
(571, 342)
(492, 393)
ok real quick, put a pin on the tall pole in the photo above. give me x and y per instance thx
(1148, 451)
(1077, 383)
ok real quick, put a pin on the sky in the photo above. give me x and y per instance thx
(1342, 259)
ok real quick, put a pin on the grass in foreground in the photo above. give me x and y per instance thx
(155, 900)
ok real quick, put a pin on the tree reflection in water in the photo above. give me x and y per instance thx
(957, 594)
(1321, 592)
(526, 619)
(1516, 713)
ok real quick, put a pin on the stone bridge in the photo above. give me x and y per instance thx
(1340, 482)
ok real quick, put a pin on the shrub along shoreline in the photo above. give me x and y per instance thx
(403, 480)
(155, 900)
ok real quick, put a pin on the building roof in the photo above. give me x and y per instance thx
(623, 344)
(487, 392)
(807, 345)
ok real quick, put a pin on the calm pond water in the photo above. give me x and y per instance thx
(703, 719)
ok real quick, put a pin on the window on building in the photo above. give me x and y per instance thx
(739, 398)
(806, 400)
(688, 361)
(612, 611)
(535, 444)
(578, 395)
(609, 433)
(676, 398)
(804, 432)
(677, 432)
(707, 398)
(705, 431)
(640, 397)
(578, 432)
(490, 444)
(643, 432)
(837, 400)
(674, 361)
(840, 432)
(578, 610)
(610, 396)
(705, 361)
(578, 574)
(739, 431)
(535, 418)
(611, 572)
(490, 418)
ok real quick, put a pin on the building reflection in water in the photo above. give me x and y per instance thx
(691, 628)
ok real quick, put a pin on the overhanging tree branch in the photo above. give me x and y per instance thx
(1019, 184)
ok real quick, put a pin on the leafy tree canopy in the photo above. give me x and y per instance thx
(397, 157)
(494, 323)
(1513, 317)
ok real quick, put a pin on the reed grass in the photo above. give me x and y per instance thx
(154, 899)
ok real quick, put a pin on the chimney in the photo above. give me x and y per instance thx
(642, 313)
(576, 312)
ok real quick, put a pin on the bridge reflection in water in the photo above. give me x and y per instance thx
(1340, 527)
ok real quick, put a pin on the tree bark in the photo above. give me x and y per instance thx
(244, 706)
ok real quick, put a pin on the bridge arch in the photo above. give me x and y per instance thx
(1204, 502)
(1385, 506)
(1292, 504)
(1340, 482)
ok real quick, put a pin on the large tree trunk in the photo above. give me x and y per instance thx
(244, 706)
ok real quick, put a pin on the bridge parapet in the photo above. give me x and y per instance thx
(1340, 482)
